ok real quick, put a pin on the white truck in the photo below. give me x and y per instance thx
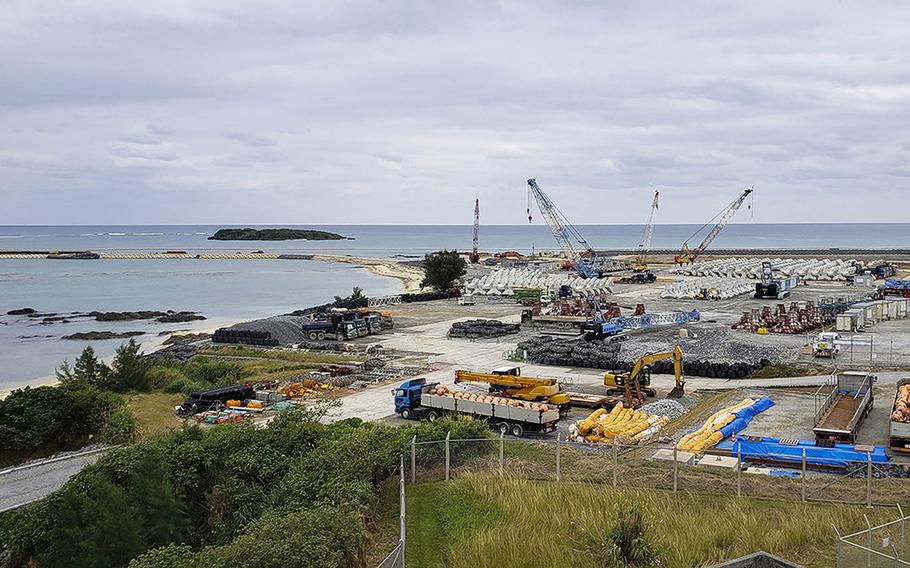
(825, 345)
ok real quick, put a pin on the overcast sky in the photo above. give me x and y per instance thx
(400, 112)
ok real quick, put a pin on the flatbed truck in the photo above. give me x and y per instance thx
(899, 432)
(413, 401)
(841, 405)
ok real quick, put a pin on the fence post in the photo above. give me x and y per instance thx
(558, 452)
(901, 511)
(803, 477)
(402, 519)
(868, 542)
(739, 470)
(448, 454)
(502, 443)
(414, 459)
(675, 470)
(615, 464)
(868, 479)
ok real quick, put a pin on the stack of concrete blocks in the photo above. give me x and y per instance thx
(503, 282)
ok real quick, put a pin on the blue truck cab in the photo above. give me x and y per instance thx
(407, 397)
(600, 329)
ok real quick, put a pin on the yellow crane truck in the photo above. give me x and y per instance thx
(508, 382)
(636, 384)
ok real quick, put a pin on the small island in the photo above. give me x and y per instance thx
(248, 234)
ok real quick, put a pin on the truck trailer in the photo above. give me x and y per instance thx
(414, 401)
(841, 405)
(899, 437)
(341, 324)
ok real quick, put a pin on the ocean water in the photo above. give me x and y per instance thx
(227, 291)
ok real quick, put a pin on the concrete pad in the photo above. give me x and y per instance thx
(718, 461)
(685, 458)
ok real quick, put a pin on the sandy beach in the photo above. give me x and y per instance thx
(410, 276)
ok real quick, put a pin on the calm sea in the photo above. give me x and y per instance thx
(227, 291)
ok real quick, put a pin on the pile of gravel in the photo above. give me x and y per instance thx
(286, 329)
(669, 408)
(334, 346)
(180, 352)
(475, 329)
(712, 345)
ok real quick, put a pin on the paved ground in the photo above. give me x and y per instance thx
(24, 484)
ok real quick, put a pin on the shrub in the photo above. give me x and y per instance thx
(120, 427)
(161, 376)
(184, 385)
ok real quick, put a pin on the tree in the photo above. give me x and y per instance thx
(129, 370)
(88, 370)
(357, 299)
(441, 269)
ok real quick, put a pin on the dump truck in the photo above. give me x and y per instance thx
(342, 324)
(899, 437)
(414, 401)
(841, 405)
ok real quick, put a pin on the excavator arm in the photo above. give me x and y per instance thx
(632, 384)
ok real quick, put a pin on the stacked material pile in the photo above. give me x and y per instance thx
(902, 405)
(620, 425)
(475, 329)
(547, 350)
(722, 424)
(443, 390)
(708, 289)
(751, 268)
(667, 408)
(502, 282)
(799, 318)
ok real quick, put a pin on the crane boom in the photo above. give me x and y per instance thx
(564, 232)
(475, 254)
(641, 261)
(515, 386)
(687, 255)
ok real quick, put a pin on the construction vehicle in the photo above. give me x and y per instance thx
(770, 287)
(841, 405)
(508, 382)
(475, 254)
(688, 256)
(414, 399)
(602, 325)
(641, 259)
(635, 385)
(345, 324)
(825, 344)
(583, 260)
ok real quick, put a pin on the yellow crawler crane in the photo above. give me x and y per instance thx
(508, 382)
(636, 384)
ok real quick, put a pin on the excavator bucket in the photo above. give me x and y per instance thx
(677, 392)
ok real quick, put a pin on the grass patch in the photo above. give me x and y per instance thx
(278, 355)
(155, 411)
(780, 370)
(442, 516)
(486, 521)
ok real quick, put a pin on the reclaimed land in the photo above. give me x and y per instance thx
(248, 234)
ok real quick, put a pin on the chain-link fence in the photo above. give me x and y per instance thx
(659, 466)
(395, 559)
(882, 546)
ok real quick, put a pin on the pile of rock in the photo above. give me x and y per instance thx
(477, 329)
(666, 408)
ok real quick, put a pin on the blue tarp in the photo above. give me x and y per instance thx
(744, 416)
(770, 448)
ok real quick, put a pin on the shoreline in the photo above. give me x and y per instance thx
(410, 276)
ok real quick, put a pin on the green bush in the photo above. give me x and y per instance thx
(160, 376)
(184, 385)
(120, 427)
(217, 373)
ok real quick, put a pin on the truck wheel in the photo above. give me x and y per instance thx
(503, 428)
(432, 416)
(312, 336)
(406, 414)
(320, 336)
(517, 430)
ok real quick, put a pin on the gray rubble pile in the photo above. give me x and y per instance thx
(476, 329)
(286, 329)
(180, 352)
(712, 345)
(668, 408)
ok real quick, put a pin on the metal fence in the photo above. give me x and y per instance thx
(661, 466)
(395, 559)
(882, 546)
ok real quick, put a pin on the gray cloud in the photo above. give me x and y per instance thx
(362, 107)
